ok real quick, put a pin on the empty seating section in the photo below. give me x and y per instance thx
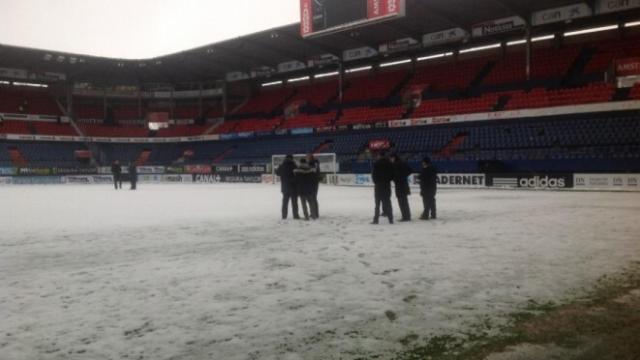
(368, 115)
(635, 92)
(610, 50)
(317, 94)
(309, 121)
(15, 127)
(448, 76)
(539, 97)
(182, 131)
(257, 125)
(372, 86)
(266, 101)
(606, 136)
(26, 100)
(545, 64)
(98, 130)
(46, 128)
(439, 107)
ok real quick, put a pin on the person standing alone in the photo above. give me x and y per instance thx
(401, 173)
(288, 187)
(133, 176)
(428, 187)
(116, 170)
(382, 176)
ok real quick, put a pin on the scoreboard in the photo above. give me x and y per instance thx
(319, 17)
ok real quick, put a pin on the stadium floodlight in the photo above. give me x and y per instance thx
(535, 39)
(273, 83)
(590, 30)
(632, 24)
(359, 69)
(303, 78)
(435, 56)
(395, 63)
(30, 84)
(480, 48)
(325, 75)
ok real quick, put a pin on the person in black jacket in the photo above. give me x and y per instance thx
(401, 173)
(116, 170)
(305, 180)
(288, 187)
(133, 176)
(315, 164)
(428, 187)
(382, 176)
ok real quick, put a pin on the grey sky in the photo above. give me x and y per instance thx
(135, 29)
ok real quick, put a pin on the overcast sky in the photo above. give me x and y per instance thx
(136, 29)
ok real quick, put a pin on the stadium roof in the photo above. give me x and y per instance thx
(271, 47)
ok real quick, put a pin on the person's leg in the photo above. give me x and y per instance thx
(388, 209)
(305, 211)
(115, 182)
(376, 215)
(433, 207)
(294, 206)
(285, 206)
(403, 202)
(313, 204)
(426, 206)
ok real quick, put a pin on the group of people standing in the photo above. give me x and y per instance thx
(394, 169)
(300, 181)
(116, 171)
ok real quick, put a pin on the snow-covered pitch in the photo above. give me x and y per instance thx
(211, 272)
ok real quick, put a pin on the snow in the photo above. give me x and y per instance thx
(210, 271)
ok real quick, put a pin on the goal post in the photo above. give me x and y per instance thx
(328, 163)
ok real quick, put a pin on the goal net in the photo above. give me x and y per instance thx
(328, 162)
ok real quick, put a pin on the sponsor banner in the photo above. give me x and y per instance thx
(270, 179)
(34, 171)
(342, 128)
(498, 26)
(262, 71)
(74, 170)
(444, 37)
(174, 170)
(301, 131)
(79, 179)
(399, 123)
(8, 171)
(244, 135)
(225, 169)
(177, 178)
(560, 14)
(291, 66)
(324, 59)
(38, 180)
(629, 182)
(381, 125)
(326, 129)
(151, 169)
(198, 169)
(306, 17)
(104, 170)
(359, 53)
(102, 179)
(628, 67)
(281, 132)
(399, 45)
(345, 179)
(456, 180)
(237, 76)
(264, 133)
(379, 144)
(5, 180)
(528, 181)
(231, 136)
(214, 179)
(609, 6)
(253, 169)
(382, 8)
(361, 126)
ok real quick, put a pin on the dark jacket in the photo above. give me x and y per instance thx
(382, 176)
(116, 170)
(287, 177)
(428, 181)
(315, 164)
(133, 173)
(401, 173)
(306, 180)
